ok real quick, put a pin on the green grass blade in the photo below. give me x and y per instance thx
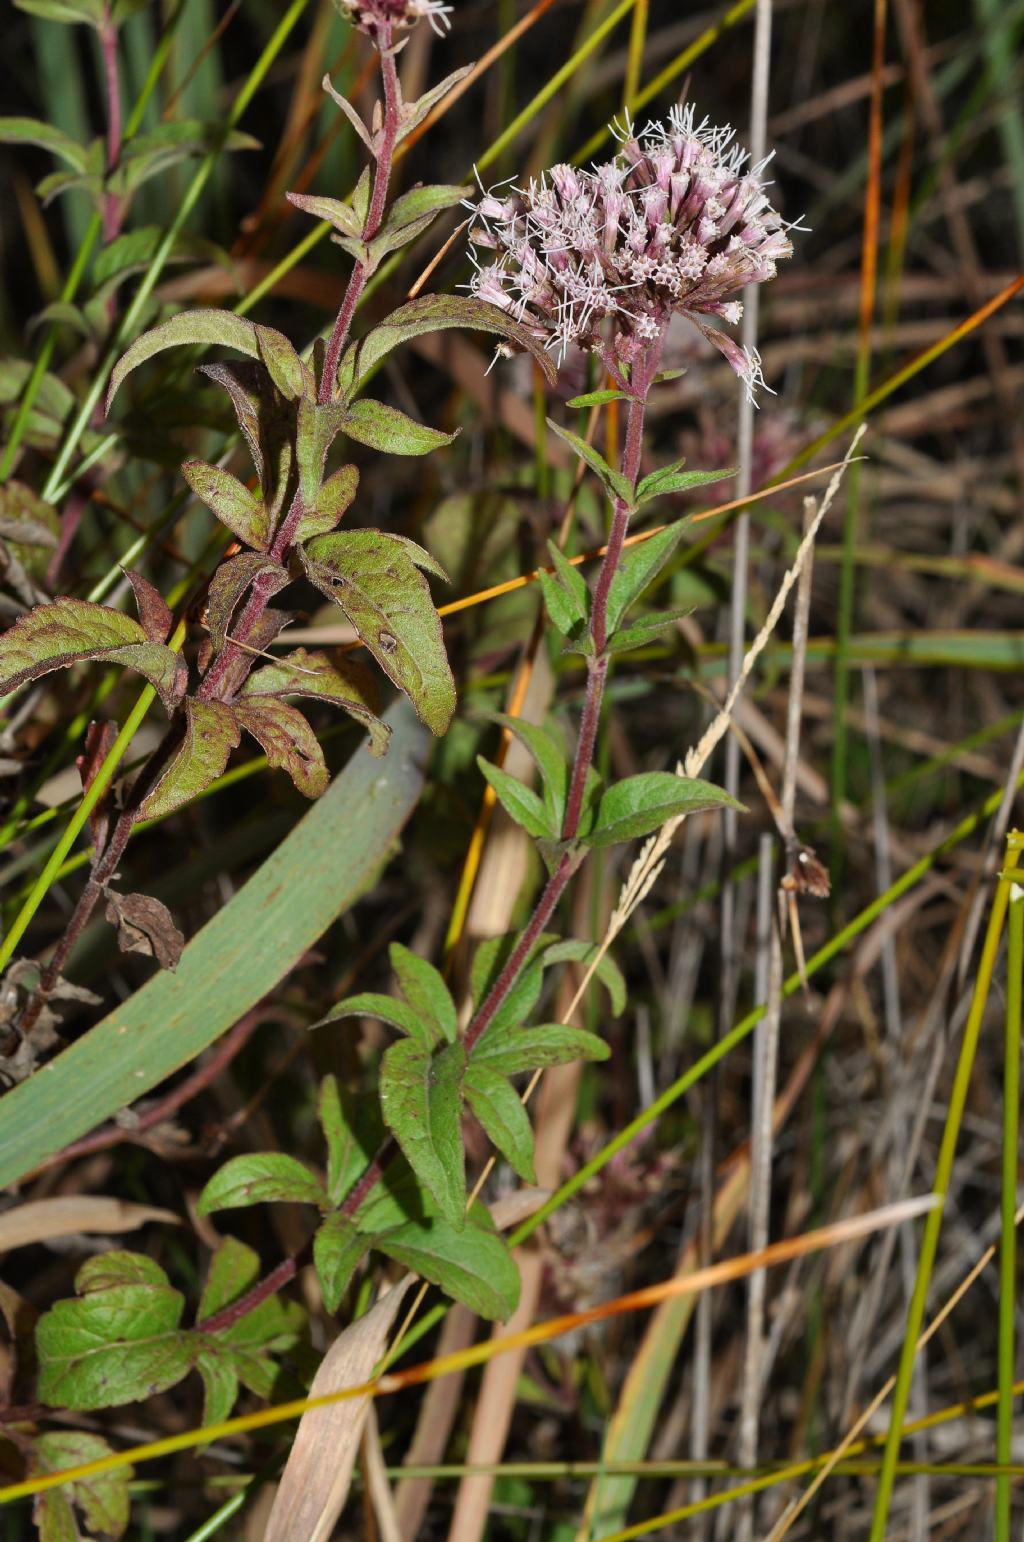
(1008, 1244)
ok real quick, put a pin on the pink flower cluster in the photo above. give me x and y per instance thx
(368, 15)
(604, 257)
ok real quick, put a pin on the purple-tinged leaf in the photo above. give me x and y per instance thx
(343, 683)
(242, 511)
(432, 313)
(317, 425)
(421, 1100)
(341, 215)
(154, 613)
(413, 113)
(239, 381)
(287, 741)
(330, 504)
(263, 1177)
(145, 925)
(99, 741)
(385, 428)
(231, 582)
(68, 632)
(373, 578)
(338, 1249)
(497, 1106)
(25, 519)
(195, 328)
(211, 733)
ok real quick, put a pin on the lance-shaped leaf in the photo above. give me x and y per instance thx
(262, 1177)
(328, 504)
(119, 1341)
(390, 1010)
(672, 479)
(432, 313)
(341, 682)
(421, 1099)
(614, 483)
(32, 131)
(353, 1131)
(510, 1050)
(410, 215)
(520, 802)
(341, 215)
(373, 577)
(241, 1352)
(550, 758)
(424, 989)
(643, 803)
(385, 428)
(496, 1104)
(317, 423)
(470, 1263)
(338, 1249)
(154, 612)
(413, 113)
(576, 951)
(231, 582)
(599, 398)
(242, 511)
(566, 596)
(68, 631)
(644, 630)
(638, 567)
(283, 364)
(356, 122)
(287, 741)
(211, 733)
(197, 327)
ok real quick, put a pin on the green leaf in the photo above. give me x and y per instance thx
(385, 428)
(356, 122)
(338, 1249)
(550, 758)
(566, 595)
(353, 1131)
(645, 629)
(241, 1351)
(373, 577)
(220, 1384)
(116, 1343)
(234, 1268)
(638, 567)
(154, 152)
(511, 1050)
(613, 482)
(103, 1498)
(488, 961)
(575, 951)
(189, 328)
(135, 250)
(432, 313)
(67, 632)
(424, 989)
(341, 215)
(600, 398)
(211, 733)
(421, 1098)
(643, 803)
(413, 113)
(317, 425)
(287, 741)
(232, 582)
(343, 683)
(283, 364)
(409, 216)
(32, 131)
(496, 1104)
(398, 1013)
(671, 480)
(471, 1264)
(520, 802)
(242, 511)
(329, 504)
(263, 1177)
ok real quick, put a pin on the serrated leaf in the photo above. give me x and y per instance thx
(432, 313)
(341, 215)
(118, 1267)
(211, 733)
(496, 1104)
(643, 803)
(373, 577)
(196, 328)
(263, 1177)
(575, 951)
(66, 632)
(424, 989)
(103, 1499)
(385, 428)
(471, 1264)
(231, 583)
(613, 482)
(370, 1004)
(353, 1131)
(520, 802)
(287, 740)
(242, 511)
(638, 567)
(33, 131)
(644, 630)
(329, 504)
(670, 479)
(234, 1268)
(421, 1099)
(343, 683)
(511, 1050)
(338, 1249)
(550, 758)
(600, 398)
(117, 1343)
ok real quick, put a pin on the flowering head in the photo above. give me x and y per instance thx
(673, 224)
(374, 16)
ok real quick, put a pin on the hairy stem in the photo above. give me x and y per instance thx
(286, 1270)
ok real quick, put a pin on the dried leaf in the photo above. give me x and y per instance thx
(65, 1215)
(144, 925)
